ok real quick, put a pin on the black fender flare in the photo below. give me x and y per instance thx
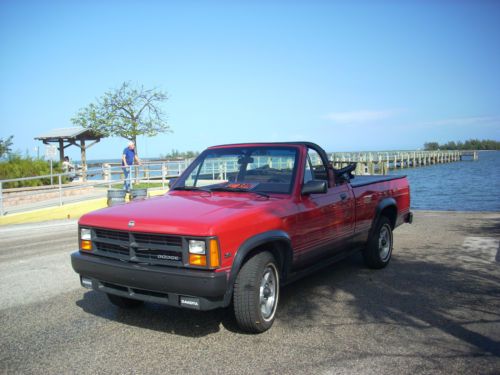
(381, 206)
(250, 244)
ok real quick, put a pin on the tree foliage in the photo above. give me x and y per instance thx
(471, 144)
(431, 146)
(176, 154)
(5, 146)
(127, 112)
(17, 166)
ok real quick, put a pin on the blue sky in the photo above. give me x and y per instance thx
(349, 75)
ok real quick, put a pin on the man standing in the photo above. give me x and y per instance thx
(129, 158)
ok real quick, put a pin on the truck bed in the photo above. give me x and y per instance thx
(367, 180)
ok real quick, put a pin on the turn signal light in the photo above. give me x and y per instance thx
(214, 253)
(86, 245)
(197, 260)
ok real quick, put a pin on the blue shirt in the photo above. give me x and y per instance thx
(129, 156)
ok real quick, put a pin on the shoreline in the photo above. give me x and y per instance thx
(455, 211)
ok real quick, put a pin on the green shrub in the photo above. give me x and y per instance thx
(17, 166)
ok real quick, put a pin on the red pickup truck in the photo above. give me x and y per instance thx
(239, 223)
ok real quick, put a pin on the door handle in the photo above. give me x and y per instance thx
(343, 196)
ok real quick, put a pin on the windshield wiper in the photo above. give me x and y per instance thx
(239, 190)
(191, 188)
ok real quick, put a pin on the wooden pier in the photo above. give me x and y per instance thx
(382, 162)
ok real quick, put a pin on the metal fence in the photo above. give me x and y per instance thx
(69, 187)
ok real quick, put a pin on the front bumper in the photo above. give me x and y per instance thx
(195, 289)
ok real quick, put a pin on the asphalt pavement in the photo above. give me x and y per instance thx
(434, 309)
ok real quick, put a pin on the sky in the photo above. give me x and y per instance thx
(348, 75)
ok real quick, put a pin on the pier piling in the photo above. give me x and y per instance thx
(382, 162)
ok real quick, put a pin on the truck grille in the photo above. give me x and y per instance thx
(112, 235)
(112, 248)
(138, 247)
(155, 239)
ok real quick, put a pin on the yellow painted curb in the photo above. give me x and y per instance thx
(68, 211)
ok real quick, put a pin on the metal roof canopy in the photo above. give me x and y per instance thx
(71, 136)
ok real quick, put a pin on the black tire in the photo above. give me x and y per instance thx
(378, 251)
(256, 293)
(124, 302)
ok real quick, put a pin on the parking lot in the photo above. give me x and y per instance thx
(434, 309)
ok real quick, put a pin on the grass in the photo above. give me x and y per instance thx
(66, 212)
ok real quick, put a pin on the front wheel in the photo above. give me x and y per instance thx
(256, 293)
(378, 251)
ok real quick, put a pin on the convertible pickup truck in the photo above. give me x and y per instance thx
(240, 222)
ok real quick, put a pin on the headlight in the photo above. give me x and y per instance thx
(85, 234)
(196, 247)
(198, 253)
(85, 239)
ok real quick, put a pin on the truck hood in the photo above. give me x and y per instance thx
(183, 213)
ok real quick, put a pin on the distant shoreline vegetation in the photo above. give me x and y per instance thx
(176, 154)
(471, 144)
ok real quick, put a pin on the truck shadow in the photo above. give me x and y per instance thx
(422, 295)
(158, 317)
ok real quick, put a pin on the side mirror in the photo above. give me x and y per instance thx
(314, 187)
(171, 182)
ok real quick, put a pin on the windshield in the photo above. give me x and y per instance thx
(259, 169)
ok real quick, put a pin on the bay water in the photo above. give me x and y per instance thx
(458, 186)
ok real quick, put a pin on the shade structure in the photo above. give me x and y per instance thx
(74, 136)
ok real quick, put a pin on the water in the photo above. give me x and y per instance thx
(458, 186)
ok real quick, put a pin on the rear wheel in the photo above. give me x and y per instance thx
(124, 302)
(378, 251)
(256, 293)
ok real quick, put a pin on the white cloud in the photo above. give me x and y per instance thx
(474, 120)
(361, 116)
